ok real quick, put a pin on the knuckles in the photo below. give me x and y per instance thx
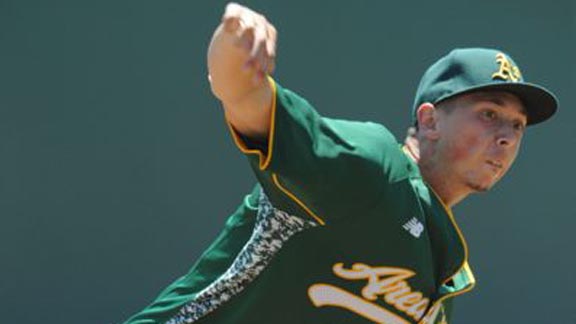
(255, 34)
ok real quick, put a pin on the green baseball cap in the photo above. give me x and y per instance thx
(473, 69)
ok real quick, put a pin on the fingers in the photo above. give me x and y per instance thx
(258, 54)
(232, 10)
(271, 48)
(255, 36)
(231, 24)
(246, 40)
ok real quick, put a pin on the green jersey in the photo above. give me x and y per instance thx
(340, 229)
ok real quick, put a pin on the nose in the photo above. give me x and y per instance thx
(503, 141)
(507, 136)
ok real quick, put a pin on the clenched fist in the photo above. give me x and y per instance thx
(254, 35)
(242, 52)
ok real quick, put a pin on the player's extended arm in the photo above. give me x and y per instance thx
(240, 55)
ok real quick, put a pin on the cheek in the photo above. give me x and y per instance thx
(513, 154)
(464, 147)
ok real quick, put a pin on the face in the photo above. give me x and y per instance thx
(477, 138)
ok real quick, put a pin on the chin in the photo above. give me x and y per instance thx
(482, 183)
(480, 187)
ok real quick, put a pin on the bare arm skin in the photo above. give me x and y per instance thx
(240, 55)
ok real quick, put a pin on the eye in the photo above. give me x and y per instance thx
(519, 126)
(489, 114)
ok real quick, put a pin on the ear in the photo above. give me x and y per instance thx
(427, 116)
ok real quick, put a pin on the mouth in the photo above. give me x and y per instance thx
(497, 166)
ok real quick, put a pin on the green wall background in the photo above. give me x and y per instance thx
(116, 169)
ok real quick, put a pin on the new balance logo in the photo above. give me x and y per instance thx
(414, 227)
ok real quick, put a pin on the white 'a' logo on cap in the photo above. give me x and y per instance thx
(507, 71)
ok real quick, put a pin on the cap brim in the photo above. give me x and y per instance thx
(540, 104)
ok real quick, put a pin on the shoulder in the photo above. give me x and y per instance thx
(370, 140)
(366, 134)
(367, 147)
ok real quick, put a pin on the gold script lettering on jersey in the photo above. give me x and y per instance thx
(387, 283)
(507, 70)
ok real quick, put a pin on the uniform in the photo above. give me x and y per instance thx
(317, 229)
(341, 228)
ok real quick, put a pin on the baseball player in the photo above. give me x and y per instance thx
(346, 225)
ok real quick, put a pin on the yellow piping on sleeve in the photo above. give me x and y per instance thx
(298, 201)
(263, 160)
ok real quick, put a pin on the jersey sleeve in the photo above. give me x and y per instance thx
(317, 167)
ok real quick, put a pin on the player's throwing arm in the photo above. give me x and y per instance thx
(240, 55)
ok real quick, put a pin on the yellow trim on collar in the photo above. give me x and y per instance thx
(463, 267)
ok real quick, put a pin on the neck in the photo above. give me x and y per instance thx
(434, 173)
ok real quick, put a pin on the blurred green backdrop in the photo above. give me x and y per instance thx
(116, 169)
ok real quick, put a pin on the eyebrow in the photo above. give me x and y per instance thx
(490, 98)
(495, 99)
